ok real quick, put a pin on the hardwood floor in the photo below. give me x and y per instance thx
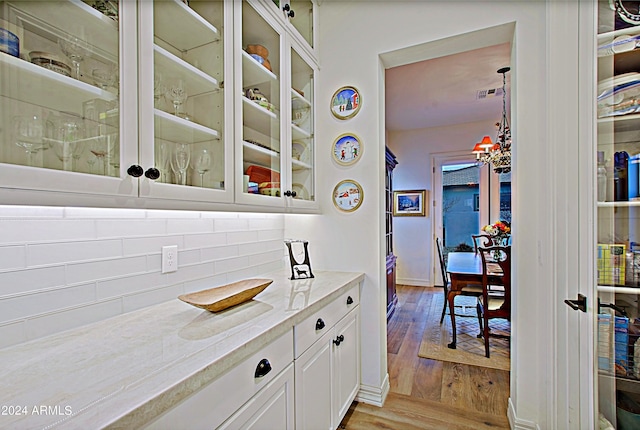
(430, 394)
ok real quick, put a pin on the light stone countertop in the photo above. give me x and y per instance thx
(123, 371)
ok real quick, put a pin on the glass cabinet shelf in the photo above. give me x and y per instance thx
(623, 290)
(175, 129)
(32, 84)
(197, 81)
(254, 72)
(170, 15)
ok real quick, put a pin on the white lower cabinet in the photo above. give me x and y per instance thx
(259, 382)
(328, 372)
(305, 379)
(272, 408)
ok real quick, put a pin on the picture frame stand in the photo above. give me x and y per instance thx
(298, 250)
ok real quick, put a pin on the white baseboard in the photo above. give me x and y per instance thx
(374, 395)
(519, 424)
(414, 282)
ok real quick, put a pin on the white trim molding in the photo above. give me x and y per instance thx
(374, 395)
(517, 424)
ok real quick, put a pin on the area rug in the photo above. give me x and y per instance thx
(470, 349)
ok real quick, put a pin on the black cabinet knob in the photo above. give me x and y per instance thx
(152, 173)
(349, 300)
(286, 7)
(263, 368)
(289, 193)
(291, 14)
(320, 324)
(135, 171)
(338, 340)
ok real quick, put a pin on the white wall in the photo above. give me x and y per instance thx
(61, 268)
(413, 242)
(353, 35)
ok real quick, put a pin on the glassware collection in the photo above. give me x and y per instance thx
(72, 48)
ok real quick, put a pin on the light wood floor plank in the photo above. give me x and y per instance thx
(430, 394)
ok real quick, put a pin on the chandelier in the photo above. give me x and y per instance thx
(497, 154)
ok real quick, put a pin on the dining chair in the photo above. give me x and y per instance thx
(481, 240)
(469, 290)
(494, 302)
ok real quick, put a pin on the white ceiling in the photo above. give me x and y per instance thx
(443, 91)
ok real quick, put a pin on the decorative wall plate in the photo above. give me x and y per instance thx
(347, 149)
(346, 103)
(348, 195)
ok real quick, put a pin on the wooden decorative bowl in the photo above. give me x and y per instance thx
(259, 50)
(220, 298)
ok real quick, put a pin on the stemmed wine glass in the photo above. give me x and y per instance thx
(65, 132)
(180, 162)
(159, 89)
(76, 50)
(163, 155)
(104, 77)
(177, 93)
(202, 163)
(29, 135)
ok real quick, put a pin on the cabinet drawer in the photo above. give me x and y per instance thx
(217, 401)
(315, 326)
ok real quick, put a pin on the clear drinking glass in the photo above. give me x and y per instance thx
(180, 158)
(76, 50)
(202, 163)
(29, 135)
(177, 93)
(64, 133)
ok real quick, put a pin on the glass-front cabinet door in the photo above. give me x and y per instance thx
(298, 16)
(63, 108)
(302, 144)
(617, 161)
(183, 147)
(259, 148)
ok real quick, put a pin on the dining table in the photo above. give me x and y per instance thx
(465, 268)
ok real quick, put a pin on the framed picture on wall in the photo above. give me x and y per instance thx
(347, 149)
(346, 103)
(410, 203)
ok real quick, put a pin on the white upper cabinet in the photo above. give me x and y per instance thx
(184, 106)
(160, 104)
(66, 104)
(299, 17)
(275, 153)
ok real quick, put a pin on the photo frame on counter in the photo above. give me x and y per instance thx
(410, 203)
(347, 149)
(348, 195)
(346, 102)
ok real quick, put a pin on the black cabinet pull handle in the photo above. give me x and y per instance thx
(135, 171)
(263, 368)
(319, 324)
(338, 340)
(578, 305)
(349, 300)
(152, 173)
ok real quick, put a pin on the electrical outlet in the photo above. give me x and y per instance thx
(169, 258)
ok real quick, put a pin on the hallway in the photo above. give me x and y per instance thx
(430, 394)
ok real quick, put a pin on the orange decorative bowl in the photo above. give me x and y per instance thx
(258, 50)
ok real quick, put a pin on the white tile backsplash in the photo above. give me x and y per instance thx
(61, 268)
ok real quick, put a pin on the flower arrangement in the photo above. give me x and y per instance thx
(499, 231)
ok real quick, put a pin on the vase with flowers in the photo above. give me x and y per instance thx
(499, 232)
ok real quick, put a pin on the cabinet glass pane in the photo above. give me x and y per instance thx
(188, 94)
(59, 85)
(302, 142)
(260, 105)
(302, 19)
(618, 215)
